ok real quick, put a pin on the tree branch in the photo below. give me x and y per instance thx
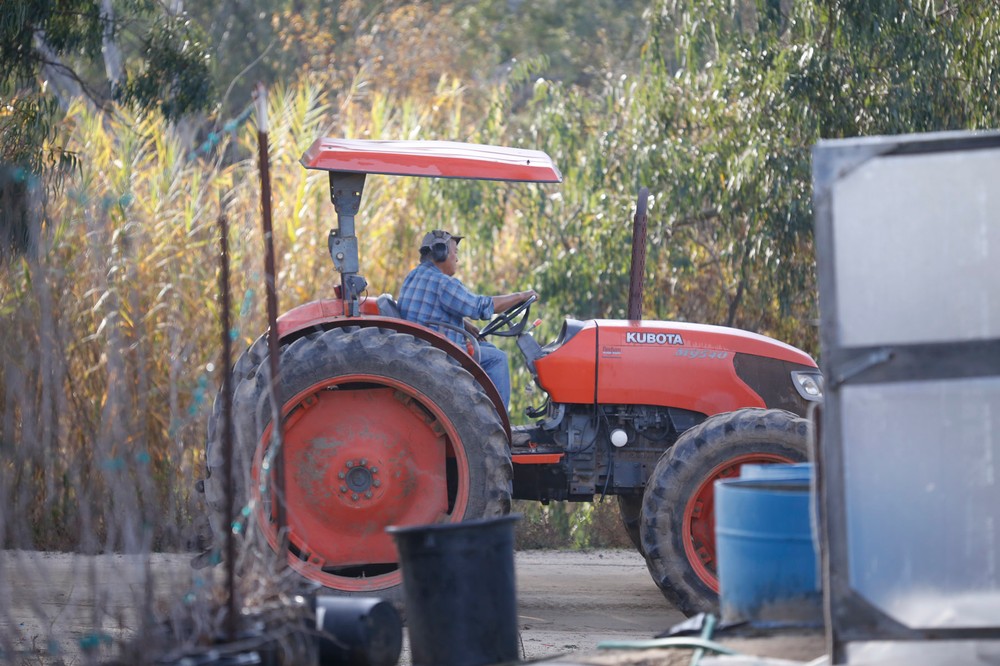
(65, 82)
(113, 66)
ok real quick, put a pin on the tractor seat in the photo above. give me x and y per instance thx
(387, 306)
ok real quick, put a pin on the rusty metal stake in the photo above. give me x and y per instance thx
(227, 423)
(270, 279)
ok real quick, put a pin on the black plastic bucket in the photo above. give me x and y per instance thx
(459, 592)
(359, 631)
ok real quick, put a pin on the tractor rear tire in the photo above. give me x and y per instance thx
(215, 495)
(630, 510)
(380, 428)
(678, 521)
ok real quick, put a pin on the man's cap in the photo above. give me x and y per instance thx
(438, 236)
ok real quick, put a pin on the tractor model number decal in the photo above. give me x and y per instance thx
(637, 338)
(702, 353)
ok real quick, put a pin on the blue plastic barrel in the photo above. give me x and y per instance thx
(766, 559)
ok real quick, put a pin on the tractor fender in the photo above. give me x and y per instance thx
(325, 314)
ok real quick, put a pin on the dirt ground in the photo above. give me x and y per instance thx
(568, 602)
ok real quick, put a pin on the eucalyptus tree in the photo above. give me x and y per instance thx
(737, 93)
(51, 54)
(55, 54)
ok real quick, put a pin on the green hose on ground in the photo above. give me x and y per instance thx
(700, 644)
(687, 642)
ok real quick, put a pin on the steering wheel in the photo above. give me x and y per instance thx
(506, 318)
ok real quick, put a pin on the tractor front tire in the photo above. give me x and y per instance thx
(379, 428)
(678, 521)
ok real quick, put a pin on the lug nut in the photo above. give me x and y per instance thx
(374, 470)
(368, 494)
(354, 497)
(364, 461)
(341, 475)
(376, 483)
(343, 489)
(349, 464)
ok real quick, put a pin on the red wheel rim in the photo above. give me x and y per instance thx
(699, 515)
(361, 452)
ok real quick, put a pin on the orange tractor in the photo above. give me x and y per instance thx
(386, 422)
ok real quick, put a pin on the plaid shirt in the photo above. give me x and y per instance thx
(430, 295)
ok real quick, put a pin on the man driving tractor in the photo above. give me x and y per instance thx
(432, 295)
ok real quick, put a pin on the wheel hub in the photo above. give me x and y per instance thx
(359, 480)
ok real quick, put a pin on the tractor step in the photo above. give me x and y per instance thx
(525, 450)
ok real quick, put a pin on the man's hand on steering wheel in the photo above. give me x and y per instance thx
(506, 318)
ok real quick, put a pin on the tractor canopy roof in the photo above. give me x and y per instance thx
(439, 159)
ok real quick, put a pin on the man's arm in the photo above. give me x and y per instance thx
(501, 303)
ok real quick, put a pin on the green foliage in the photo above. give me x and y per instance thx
(48, 49)
(737, 93)
(569, 525)
(166, 50)
(29, 135)
(70, 26)
(580, 40)
(407, 48)
(173, 73)
(242, 39)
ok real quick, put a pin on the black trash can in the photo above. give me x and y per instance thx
(459, 592)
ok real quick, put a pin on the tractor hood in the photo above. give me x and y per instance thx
(702, 368)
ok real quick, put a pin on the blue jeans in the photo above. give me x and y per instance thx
(494, 362)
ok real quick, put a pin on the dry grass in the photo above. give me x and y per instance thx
(109, 358)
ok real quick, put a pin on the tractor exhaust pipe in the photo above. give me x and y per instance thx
(638, 256)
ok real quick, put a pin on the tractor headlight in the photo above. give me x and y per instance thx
(809, 385)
